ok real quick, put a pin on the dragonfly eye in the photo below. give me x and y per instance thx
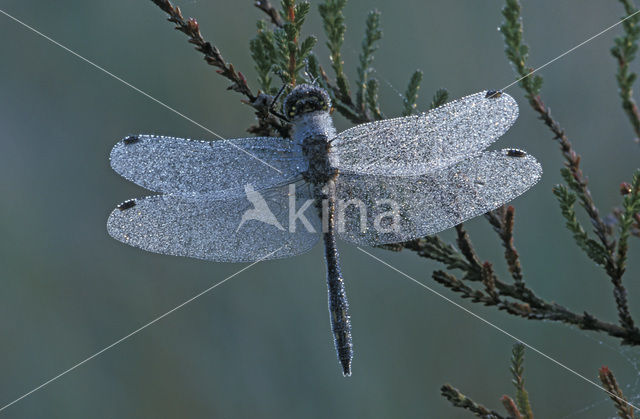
(305, 99)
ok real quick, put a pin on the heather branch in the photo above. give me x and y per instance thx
(450, 281)
(517, 53)
(489, 281)
(211, 53)
(502, 220)
(460, 400)
(625, 51)
(349, 110)
(367, 93)
(263, 52)
(271, 11)
(372, 35)
(517, 371)
(592, 248)
(510, 407)
(608, 380)
(628, 216)
(291, 53)
(411, 94)
(466, 248)
(519, 409)
(516, 299)
(266, 122)
(372, 99)
(439, 98)
(334, 27)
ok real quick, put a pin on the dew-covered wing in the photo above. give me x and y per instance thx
(403, 208)
(417, 144)
(220, 167)
(230, 229)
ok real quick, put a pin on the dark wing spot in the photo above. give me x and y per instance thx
(514, 152)
(131, 139)
(493, 94)
(127, 204)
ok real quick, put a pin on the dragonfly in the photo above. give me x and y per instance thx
(382, 182)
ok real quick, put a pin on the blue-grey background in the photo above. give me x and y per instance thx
(259, 346)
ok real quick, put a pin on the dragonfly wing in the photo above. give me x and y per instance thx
(221, 167)
(229, 229)
(404, 208)
(415, 145)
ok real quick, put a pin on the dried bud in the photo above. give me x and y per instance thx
(625, 188)
(192, 24)
(511, 407)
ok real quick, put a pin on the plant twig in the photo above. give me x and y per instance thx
(334, 27)
(411, 94)
(517, 53)
(460, 400)
(510, 407)
(271, 11)
(518, 300)
(372, 99)
(369, 45)
(263, 52)
(517, 371)
(628, 216)
(502, 220)
(439, 98)
(291, 53)
(608, 380)
(624, 51)
(211, 53)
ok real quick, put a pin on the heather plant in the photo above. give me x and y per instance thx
(283, 57)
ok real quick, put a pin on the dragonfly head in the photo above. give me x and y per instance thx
(304, 99)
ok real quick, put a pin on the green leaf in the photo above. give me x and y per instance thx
(624, 50)
(302, 10)
(411, 94)
(630, 207)
(334, 27)
(517, 371)
(592, 248)
(372, 99)
(369, 45)
(313, 68)
(304, 51)
(263, 52)
(516, 51)
(439, 98)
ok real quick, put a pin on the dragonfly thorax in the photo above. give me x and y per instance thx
(308, 107)
(316, 150)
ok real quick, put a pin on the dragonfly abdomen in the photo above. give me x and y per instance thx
(338, 304)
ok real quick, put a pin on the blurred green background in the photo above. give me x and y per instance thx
(259, 346)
